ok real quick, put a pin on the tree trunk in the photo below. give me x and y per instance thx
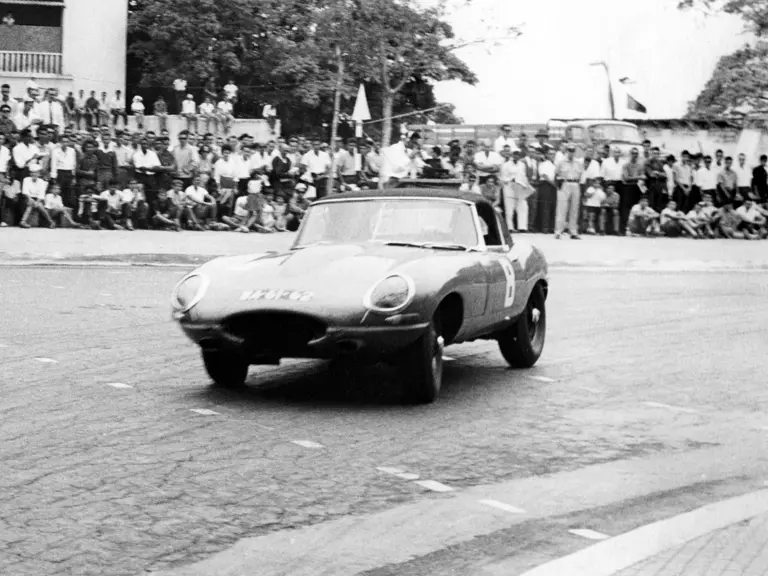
(387, 103)
(335, 124)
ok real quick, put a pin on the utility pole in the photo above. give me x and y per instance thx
(335, 123)
(610, 87)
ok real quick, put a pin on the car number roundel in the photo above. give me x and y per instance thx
(509, 273)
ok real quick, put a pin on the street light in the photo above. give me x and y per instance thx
(610, 87)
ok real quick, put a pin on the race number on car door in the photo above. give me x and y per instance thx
(509, 273)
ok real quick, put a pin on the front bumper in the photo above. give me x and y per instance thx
(363, 341)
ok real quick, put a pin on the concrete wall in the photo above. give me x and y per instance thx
(95, 40)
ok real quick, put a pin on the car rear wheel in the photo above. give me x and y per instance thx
(226, 369)
(522, 343)
(423, 366)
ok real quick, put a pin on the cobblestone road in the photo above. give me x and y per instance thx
(103, 479)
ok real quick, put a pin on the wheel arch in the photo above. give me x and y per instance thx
(450, 313)
(544, 287)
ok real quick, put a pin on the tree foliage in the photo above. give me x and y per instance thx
(282, 52)
(753, 12)
(738, 86)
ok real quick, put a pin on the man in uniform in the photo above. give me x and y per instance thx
(568, 174)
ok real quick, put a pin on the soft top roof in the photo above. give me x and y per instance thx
(437, 193)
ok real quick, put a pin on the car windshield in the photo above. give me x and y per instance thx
(397, 220)
(615, 133)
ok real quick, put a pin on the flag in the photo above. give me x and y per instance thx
(633, 104)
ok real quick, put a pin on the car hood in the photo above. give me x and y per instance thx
(335, 276)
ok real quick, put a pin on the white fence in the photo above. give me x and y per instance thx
(32, 63)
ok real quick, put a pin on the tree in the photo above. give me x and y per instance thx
(753, 12)
(390, 43)
(738, 86)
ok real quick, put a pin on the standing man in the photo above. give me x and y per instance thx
(516, 191)
(546, 197)
(505, 139)
(633, 184)
(52, 112)
(231, 90)
(180, 87)
(186, 162)
(7, 100)
(317, 163)
(160, 109)
(6, 124)
(488, 161)
(760, 179)
(63, 166)
(705, 180)
(727, 183)
(656, 180)
(568, 175)
(683, 181)
(743, 176)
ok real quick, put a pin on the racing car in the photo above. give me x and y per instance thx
(390, 275)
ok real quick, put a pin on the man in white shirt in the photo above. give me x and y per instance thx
(25, 153)
(706, 179)
(145, 163)
(270, 115)
(752, 222)
(611, 170)
(112, 208)
(505, 139)
(231, 90)
(119, 109)
(189, 111)
(225, 112)
(516, 189)
(28, 118)
(487, 161)
(318, 163)
(202, 205)
(7, 99)
(546, 196)
(63, 166)
(207, 112)
(743, 176)
(33, 195)
(180, 87)
(51, 111)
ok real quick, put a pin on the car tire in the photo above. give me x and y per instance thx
(423, 366)
(522, 343)
(227, 370)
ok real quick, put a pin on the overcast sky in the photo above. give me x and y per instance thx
(546, 74)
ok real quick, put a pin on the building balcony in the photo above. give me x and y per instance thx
(30, 63)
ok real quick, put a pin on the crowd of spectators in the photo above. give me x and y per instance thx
(546, 188)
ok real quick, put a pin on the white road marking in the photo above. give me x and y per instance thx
(670, 407)
(119, 385)
(434, 486)
(4, 346)
(543, 379)
(105, 294)
(204, 411)
(619, 552)
(502, 506)
(448, 358)
(589, 534)
(262, 426)
(587, 389)
(307, 444)
(47, 360)
(58, 287)
(398, 473)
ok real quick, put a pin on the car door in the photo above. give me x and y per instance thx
(505, 279)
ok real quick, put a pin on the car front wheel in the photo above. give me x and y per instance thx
(226, 369)
(522, 343)
(423, 366)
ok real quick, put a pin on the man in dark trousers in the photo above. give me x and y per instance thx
(760, 179)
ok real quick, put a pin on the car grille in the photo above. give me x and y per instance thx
(274, 331)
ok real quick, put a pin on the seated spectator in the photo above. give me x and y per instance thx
(118, 108)
(88, 207)
(491, 191)
(165, 213)
(207, 112)
(643, 220)
(435, 161)
(674, 222)
(281, 211)
(610, 209)
(255, 201)
(470, 183)
(266, 222)
(32, 197)
(160, 110)
(728, 222)
(135, 205)
(202, 206)
(594, 197)
(189, 111)
(238, 222)
(297, 207)
(55, 207)
(224, 113)
(111, 208)
(751, 221)
(699, 221)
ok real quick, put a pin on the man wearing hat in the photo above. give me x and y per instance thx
(543, 137)
(568, 175)
(505, 139)
(33, 197)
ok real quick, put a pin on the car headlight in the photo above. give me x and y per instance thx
(188, 292)
(391, 294)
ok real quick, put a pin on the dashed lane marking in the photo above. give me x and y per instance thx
(543, 379)
(588, 389)
(47, 360)
(670, 407)
(307, 444)
(204, 411)
(105, 294)
(58, 287)
(449, 358)
(398, 473)
(502, 506)
(119, 385)
(434, 486)
(4, 346)
(589, 534)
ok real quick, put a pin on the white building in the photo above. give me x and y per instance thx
(71, 45)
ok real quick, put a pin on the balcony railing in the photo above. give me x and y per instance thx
(31, 63)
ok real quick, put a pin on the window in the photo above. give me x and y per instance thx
(575, 133)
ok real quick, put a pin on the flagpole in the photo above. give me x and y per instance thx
(610, 87)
